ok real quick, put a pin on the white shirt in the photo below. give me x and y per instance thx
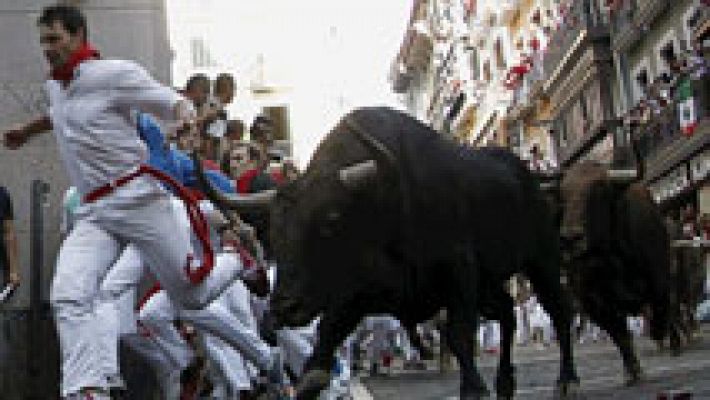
(93, 119)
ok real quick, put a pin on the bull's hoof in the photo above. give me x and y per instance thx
(566, 390)
(311, 384)
(426, 354)
(635, 376)
(505, 384)
(475, 396)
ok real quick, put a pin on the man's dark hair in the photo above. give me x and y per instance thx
(71, 18)
(224, 78)
(260, 128)
(254, 153)
(197, 79)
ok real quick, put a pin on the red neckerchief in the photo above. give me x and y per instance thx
(65, 73)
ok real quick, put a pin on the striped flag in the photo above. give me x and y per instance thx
(686, 107)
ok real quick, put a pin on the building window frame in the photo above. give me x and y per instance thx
(637, 90)
(687, 30)
(670, 37)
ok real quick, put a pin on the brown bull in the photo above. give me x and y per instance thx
(617, 252)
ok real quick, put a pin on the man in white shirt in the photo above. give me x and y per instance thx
(92, 107)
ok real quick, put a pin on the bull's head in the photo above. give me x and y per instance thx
(570, 193)
(322, 223)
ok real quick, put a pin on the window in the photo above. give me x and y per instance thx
(640, 77)
(666, 52)
(584, 113)
(500, 57)
(201, 57)
(487, 71)
(475, 68)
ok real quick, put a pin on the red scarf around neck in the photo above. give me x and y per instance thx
(65, 73)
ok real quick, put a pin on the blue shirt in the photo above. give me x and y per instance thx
(174, 162)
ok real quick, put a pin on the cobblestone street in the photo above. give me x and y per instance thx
(599, 367)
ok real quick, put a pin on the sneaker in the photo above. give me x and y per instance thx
(280, 385)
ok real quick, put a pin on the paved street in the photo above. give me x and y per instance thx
(599, 367)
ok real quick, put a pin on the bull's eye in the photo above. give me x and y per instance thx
(333, 216)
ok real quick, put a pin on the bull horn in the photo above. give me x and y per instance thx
(225, 201)
(351, 176)
(370, 141)
(623, 175)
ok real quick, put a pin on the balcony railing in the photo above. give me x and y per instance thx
(585, 21)
(660, 140)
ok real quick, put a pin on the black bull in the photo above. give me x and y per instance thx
(617, 253)
(391, 218)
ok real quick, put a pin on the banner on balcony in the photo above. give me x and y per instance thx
(686, 108)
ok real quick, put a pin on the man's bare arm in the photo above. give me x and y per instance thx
(16, 137)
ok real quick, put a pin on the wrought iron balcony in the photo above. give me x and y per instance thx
(660, 140)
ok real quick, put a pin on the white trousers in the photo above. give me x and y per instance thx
(140, 213)
(297, 345)
(115, 308)
(167, 368)
(218, 320)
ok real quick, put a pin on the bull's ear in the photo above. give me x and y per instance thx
(355, 175)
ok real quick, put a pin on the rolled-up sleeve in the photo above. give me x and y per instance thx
(134, 88)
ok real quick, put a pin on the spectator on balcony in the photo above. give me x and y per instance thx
(695, 60)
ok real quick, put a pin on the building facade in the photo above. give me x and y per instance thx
(572, 79)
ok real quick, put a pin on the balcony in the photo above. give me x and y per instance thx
(632, 19)
(526, 93)
(660, 141)
(585, 24)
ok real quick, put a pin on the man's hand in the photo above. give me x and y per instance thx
(15, 138)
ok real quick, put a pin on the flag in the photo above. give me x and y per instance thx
(686, 108)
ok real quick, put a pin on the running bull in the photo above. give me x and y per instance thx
(616, 250)
(391, 218)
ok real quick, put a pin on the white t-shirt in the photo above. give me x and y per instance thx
(93, 119)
